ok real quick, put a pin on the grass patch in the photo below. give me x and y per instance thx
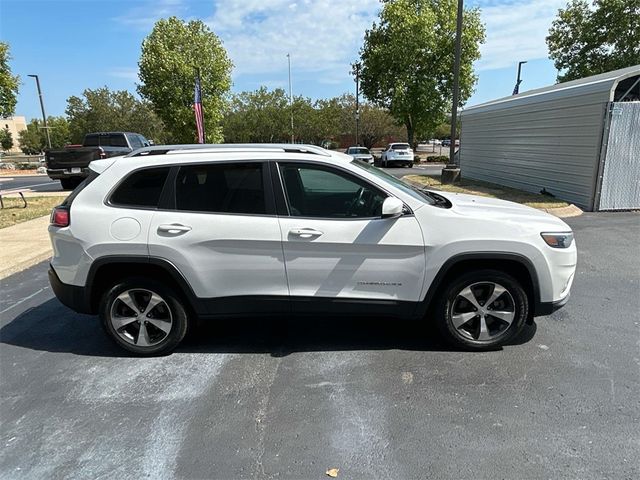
(485, 189)
(13, 213)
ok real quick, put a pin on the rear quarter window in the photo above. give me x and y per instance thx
(141, 188)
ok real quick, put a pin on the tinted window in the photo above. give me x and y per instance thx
(105, 140)
(319, 192)
(400, 146)
(221, 188)
(135, 141)
(141, 188)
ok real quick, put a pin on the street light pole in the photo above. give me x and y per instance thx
(357, 70)
(44, 115)
(290, 97)
(516, 89)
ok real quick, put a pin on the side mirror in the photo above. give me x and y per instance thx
(392, 207)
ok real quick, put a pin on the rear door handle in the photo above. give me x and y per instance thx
(174, 228)
(305, 232)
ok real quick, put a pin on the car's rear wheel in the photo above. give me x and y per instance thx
(482, 310)
(143, 316)
(410, 165)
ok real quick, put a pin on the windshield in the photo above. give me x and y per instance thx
(400, 146)
(359, 151)
(399, 184)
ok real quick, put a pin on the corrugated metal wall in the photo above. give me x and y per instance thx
(549, 143)
(621, 173)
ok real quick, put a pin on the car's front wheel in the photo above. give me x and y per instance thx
(482, 310)
(143, 316)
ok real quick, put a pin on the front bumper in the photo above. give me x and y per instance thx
(71, 296)
(547, 308)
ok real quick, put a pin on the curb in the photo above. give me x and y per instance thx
(564, 212)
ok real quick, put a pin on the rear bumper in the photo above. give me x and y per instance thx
(71, 296)
(547, 308)
(58, 173)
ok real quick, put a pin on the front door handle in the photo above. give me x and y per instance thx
(305, 232)
(174, 228)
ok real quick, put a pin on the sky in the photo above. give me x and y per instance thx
(77, 44)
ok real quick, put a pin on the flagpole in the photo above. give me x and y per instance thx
(204, 132)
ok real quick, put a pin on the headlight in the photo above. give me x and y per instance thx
(558, 240)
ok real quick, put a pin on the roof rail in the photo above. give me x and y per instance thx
(231, 147)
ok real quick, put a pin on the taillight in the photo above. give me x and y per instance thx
(60, 217)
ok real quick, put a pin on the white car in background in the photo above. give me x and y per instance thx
(166, 235)
(360, 153)
(397, 154)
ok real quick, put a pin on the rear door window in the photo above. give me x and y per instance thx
(222, 188)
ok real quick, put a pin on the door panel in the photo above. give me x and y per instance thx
(222, 255)
(337, 246)
(375, 259)
(222, 232)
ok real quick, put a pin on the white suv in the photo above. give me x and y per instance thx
(166, 234)
(397, 154)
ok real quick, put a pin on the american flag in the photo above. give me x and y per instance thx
(197, 109)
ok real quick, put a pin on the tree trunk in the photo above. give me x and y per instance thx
(410, 134)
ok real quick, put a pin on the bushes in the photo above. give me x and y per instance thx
(438, 159)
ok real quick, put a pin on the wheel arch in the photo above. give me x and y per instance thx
(518, 266)
(106, 271)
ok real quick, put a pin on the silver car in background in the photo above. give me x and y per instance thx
(360, 153)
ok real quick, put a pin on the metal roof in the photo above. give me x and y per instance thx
(605, 83)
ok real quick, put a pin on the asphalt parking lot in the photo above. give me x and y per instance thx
(290, 398)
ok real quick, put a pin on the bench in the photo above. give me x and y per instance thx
(12, 192)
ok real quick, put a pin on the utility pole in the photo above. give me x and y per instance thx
(290, 98)
(516, 89)
(456, 84)
(44, 115)
(451, 171)
(356, 67)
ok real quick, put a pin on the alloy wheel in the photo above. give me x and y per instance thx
(141, 317)
(482, 311)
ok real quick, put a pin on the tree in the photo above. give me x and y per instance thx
(257, 117)
(407, 60)
(6, 139)
(8, 83)
(585, 41)
(32, 140)
(103, 110)
(170, 56)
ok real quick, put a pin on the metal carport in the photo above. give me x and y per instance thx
(579, 141)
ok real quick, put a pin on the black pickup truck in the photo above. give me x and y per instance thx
(70, 164)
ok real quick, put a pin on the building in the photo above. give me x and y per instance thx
(14, 125)
(578, 141)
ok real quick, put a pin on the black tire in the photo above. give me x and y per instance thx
(69, 183)
(159, 341)
(410, 165)
(498, 332)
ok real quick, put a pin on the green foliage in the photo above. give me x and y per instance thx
(6, 139)
(586, 40)
(407, 60)
(8, 83)
(170, 56)
(103, 110)
(265, 116)
(32, 140)
(258, 117)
